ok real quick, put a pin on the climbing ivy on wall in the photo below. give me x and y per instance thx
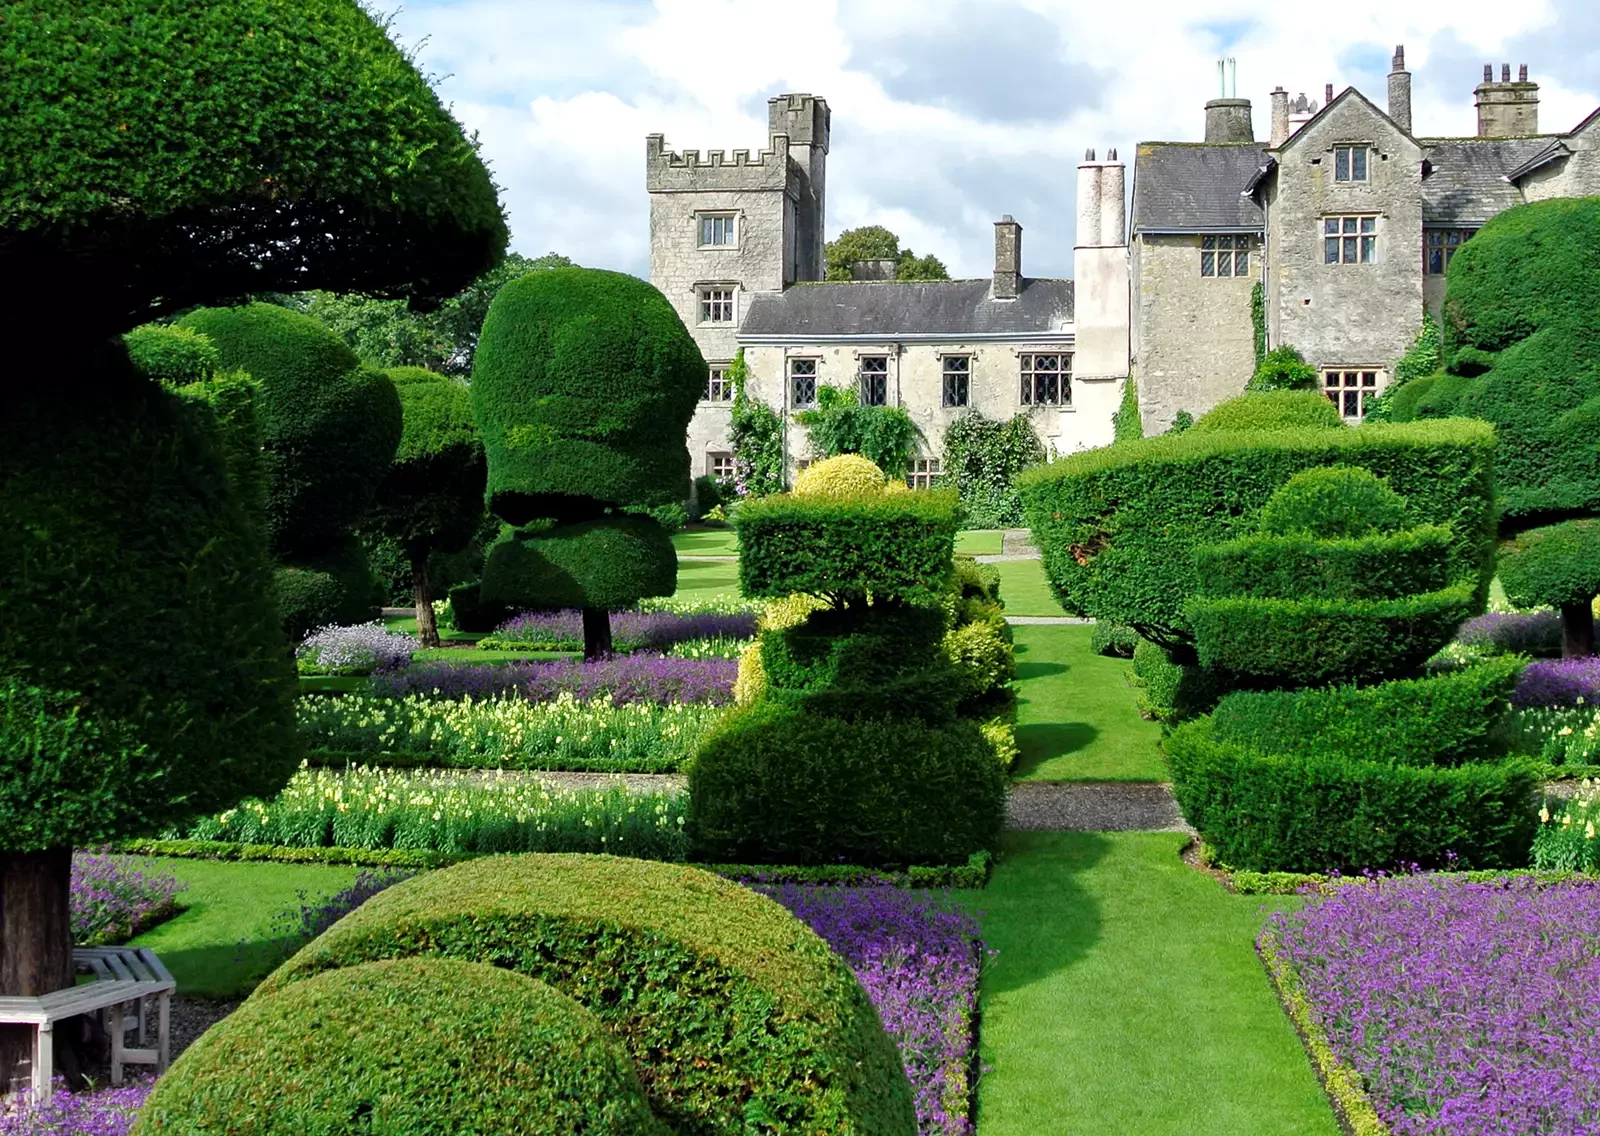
(1258, 319)
(757, 435)
(1125, 424)
(841, 425)
(982, 458)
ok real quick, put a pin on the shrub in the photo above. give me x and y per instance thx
(178, 356)
(1302, 567)
(841, 478)
(601, 564)
(472, 613)
(1118, 526)
(885, 435)
(977, 581)
(730, 1008)
(1556, 566)
(1560, 682)
(893, 548)
(981, 460)
(750, 684)
(335, 588)
(708, 495)
(1330, 503)
(776, 784)
(1536, 633)
(1313, 813)
(1268, 410)
(499, 1052)
(1113, 640)
(983, 655)
(1171, 691)
(1282, 368)
(1444, 720)
(358, 650)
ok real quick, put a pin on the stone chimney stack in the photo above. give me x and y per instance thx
(1507, 109)
(1327, 93)
(874, 268)
(1007, 258)
(1100, 274)
(1280, 117)
(1400, 89)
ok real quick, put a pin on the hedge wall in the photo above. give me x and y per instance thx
(1293, 567)
(1118, 526)
(421, 1047)
(729, 1007)
(1270, 410)
(172, 354)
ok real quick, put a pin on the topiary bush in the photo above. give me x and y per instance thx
(404, 1047)
(336, 587)
(1332, 502)
(1282, 368)
(841, 478)
(1171, 691)
(1306, 567)
(606, 563)
(1269, 410)
(779, 784)
(733, 1012)
(171, 354)
(1113, 640)
(1557, 566)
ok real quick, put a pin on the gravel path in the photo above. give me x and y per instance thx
(1044, 620)
(1095, 807)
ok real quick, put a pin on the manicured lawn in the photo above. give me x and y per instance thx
(979, 542)
(1076, 716)
(703, 578)
(1126, 999)
(706, 542)
(407, 625)
(1024, 588)
(225, 942)
(457, 655)
(334, 684)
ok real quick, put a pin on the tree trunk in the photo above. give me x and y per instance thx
(35, 942)
(1577, 630)
(596, 633)
(422, 596)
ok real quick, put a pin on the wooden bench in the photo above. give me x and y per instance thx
(125, 980)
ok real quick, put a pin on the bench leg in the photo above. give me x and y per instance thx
(115, 1013)
(144, 1004)
(163, 1033)
(44, 1057)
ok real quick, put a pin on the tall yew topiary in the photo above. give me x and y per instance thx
(155, 155)
(583, 385)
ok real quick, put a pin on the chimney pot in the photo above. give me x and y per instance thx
(1327, 93)
(1088, 155)
(1007, 258)
(1522, 73)
(1399, 61)
(1505, 72)
(1488, 72)
(1400, 90)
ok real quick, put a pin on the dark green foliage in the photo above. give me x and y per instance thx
(1119, 526)
(608, 563)
(896, 547)
(472, 612)
(329, 427)
(583, 385)
(1332, 502)
(1182, 422)
(1302, 567)
(134, 584)
(841, 425)
(982, 459)
(1172, 691)
(777, 784)
(1398, 403)
(1558, 566)
(413, 1047)
(304, 151)
(1113, 640)
(1447, 719)
(170, 354)
(756, 434)
(1403, 404)
(432, 496)
(729, 1007)
(1258, 320)
(1313, 813)
(1269, 409)
(336, 587)
(708, 494)
(231, 400)
(874, 242)
(1282, 368)
(977, 581)
(1125, 423)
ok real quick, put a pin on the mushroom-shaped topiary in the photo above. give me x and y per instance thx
(841, 478)
(1557, 566)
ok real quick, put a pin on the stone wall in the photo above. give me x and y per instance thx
(1577, 176)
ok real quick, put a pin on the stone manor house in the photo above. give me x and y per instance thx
(1344, 215)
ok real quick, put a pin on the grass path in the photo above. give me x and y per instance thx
(1076, 718)
(980, 542)
(1126, 999)
(1025, 590)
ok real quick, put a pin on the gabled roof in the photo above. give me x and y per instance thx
(946, 309)
(1194, 186)
(1553, 152)
(1347, 93)
(1465, 180)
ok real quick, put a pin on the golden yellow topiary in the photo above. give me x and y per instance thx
(895, 485)
(750, 685)
(791, 611)
(841, 478)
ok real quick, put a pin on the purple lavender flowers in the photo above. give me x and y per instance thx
(630, 630)
(1468, 1008)
(626, 678)
(115, 897)
(1559, 682)
(360, 649)
(918, 959)
(103, 1112)
(1513, 632)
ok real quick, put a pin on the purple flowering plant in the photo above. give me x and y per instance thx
(630, 630)
(1559, 683)
(1466, 1007)
(1513, 633)
(918, 958)
(360, 649)
(96, 1112)
(643, 677)
(113, 898)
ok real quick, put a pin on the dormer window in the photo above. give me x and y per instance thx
(1350, 163)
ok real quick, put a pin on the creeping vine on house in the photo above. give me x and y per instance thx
(756, 432)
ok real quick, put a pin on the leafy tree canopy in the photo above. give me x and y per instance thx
(874, 242)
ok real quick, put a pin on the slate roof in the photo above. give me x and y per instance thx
(1194, 186)
(1467, 183)
(908, 310)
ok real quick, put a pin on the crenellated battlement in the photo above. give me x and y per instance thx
(668, 171)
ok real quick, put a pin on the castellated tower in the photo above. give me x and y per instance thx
(725, 225)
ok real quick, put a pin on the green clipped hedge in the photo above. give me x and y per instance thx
(1300, 567)
(472, 612)
(1170, 691)
(611, 562)
(1332, 502)
(777, 784)
(1314, 813)
(1270, 410)
(1446, 719)
(230, 400)
(1556, 566)
(406, 1047)
(729, 1007)
(1113, 640)
(172, 354)
(897, 547)
(1305, 642)
(1118, 526)
(334, 588)
(584, 382)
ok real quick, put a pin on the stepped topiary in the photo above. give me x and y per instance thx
(583, 385)
(734, 1013)
(408, 1047)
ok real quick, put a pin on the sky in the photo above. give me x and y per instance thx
(946, 113)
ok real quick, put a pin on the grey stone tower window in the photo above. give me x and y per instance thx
(1225, 256)
(873, 380)
(716, 305)
(717, 230)
(1046, 380)
(802, 383)
(957, 380)
(1442, 246)
(1349, 240)
(1350, 162)
(719, 388)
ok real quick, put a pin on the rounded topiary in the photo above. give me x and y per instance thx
(403, 1047)
(336, 587)
(1283, 368)
(583, 383)
(732, 1010)
(1557, 566)
(608, 563)
(329, 427)
(841, 478)
(1269, 410)
(779, 784)
(1332, 501)
(172, 354)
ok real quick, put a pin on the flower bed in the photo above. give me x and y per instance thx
(508, 731)
(1568, 839)
(102, 1112)
(453, 813)
(361, 649)
(1513, 632)
(918, 958)
(630, 630)
(1559, 683)
(625, 678)
(1466, 1007)
(115, 897)
(1561, 737)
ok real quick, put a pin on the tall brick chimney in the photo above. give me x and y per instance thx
(1507, 109)
(1007, 258)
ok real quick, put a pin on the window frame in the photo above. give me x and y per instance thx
(795, 369)
(715, 458)
(878, 380)
(1338, 388)
(1344, 157)
(923, 472)
(706, 221)
(717, 376)
(955, 379)
(1031, 375)
(1446, 248)
(1349, 238)
(708, 305)
(1231, 249)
